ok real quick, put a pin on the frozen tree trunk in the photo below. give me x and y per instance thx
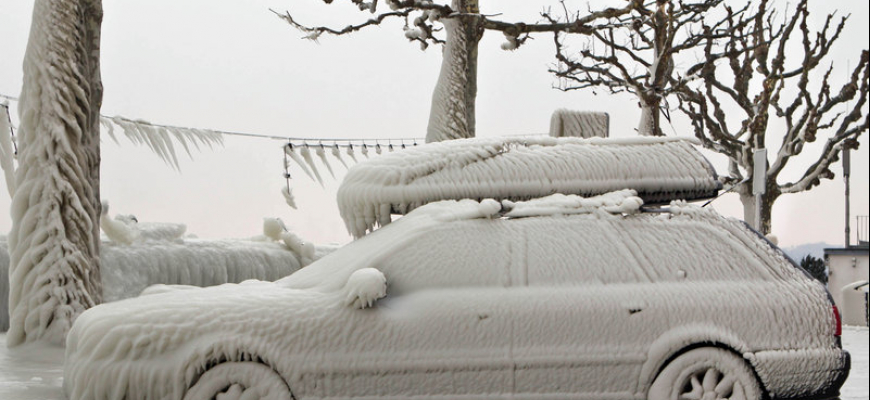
(748, 201)
(650, 97)
(649, 120)
(452, 113)
(54, 243)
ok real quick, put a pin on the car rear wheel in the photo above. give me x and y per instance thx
(239, 381)
(706, 374)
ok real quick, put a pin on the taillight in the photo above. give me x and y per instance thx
(838, 328)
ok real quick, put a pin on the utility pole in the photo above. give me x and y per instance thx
(759, 182)
(846, 172)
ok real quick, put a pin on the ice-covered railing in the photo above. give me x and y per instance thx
(519, 169)
(128, 269)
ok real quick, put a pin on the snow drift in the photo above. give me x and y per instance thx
(521, 168)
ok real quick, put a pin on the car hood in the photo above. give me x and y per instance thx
(153, 346)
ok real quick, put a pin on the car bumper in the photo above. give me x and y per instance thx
(814, 374)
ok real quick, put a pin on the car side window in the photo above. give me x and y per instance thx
(576, 250)
(456, 254)
(674, 250)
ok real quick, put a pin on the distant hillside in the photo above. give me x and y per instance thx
(815, 249)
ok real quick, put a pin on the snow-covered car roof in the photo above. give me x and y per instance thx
(521, 168)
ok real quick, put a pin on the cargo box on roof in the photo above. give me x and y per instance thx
(520, 168)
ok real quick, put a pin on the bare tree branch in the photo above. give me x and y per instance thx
(636, 52)
(759, 81)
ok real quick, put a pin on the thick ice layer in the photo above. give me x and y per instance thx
(128, 269)
(520, 168)
(477, 305)
(161, 230)
(584, 124)
(126, 229)
(452, 113)
(621, 202)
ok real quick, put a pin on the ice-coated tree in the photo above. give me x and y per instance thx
(452, 113)
(635, 52)
(773, 88)
(54, 243)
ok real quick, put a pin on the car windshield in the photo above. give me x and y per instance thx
(331, 272)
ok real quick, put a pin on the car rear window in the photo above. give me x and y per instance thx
(685, 249)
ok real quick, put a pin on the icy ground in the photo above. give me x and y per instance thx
(32, 373)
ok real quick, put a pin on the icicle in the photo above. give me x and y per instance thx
(110, 129)
(322, 154)
(336, 152)
(288, 197)
(365, 150)
(378, 148)
(288, 149)
(306, 154)
(384, 216)
(350, 153)
(390, 147)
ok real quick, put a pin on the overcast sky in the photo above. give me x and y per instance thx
(235, 66)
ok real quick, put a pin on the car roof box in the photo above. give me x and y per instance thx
(525, 167)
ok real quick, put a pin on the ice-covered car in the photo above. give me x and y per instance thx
(555, 298)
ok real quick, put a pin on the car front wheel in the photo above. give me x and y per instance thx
(706, 374)
(239, 381)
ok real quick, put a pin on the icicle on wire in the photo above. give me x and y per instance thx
(299, 151)
(286, 191)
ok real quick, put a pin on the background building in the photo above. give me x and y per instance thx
(848, 274)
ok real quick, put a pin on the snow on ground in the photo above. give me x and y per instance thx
(32, 373)
(857, 387)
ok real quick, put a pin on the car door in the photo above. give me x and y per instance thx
(443, 329)
(579, 328)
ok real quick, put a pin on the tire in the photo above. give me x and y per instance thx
(706, 374)
(239, 381)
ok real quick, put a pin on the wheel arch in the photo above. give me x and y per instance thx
(216, 354)
(681, 340)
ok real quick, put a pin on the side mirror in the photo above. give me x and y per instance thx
(364, 287)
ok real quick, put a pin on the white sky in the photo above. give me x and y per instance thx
(235, 66)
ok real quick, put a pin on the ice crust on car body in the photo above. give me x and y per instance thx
(449, 319)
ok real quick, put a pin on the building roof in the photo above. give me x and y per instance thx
(848, 251)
